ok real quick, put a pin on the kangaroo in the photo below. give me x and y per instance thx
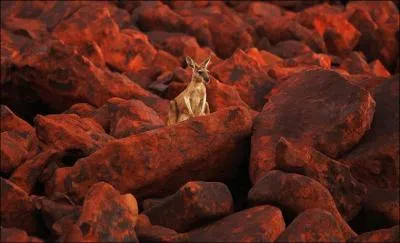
(192, 101)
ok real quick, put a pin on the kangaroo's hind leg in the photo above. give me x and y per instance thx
(172, 113)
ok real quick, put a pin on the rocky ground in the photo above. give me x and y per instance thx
(302, 143)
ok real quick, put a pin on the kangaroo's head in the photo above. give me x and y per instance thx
(200, 71)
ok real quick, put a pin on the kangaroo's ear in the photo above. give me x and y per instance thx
(206, 62)
(190, 62)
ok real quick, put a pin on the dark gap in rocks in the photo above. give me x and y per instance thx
(113, 68)
(39, 189)
(241, 184)
(5, 175)
(70, 157)
(358, 223)
(23, 100)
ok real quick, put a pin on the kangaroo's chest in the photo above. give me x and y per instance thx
(195, 95)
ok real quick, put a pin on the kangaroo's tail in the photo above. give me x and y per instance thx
(172, 113)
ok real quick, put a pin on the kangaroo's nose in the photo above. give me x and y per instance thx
(206, 78)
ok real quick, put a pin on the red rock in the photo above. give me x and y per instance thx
(131, 51)
(295, 5)
(355, 63)
(11, 122)
(296, 194)
(263, 57)
(313, 225)
(258, 224)
(13, 151)
(250, 79)
(16, 235)
(56, 68)
(368, 42)
(54, 212)
(389, 43)
(221, 29)
(26, 176)
(381, 208)
(382, 235)
(58, 11)
(165, 62)
(378, 69)
(365, 81)
(375, 160)
(222, 135)
(321, 60)
(220, 96)
(199, 203)
(31, 28)
(158, 16)
(284, 28)
(290, 49)
(81, 109)
(92, 22)
(340, 36)
(17, 209)
(347, 192)
(156, 233)
(106, 216)
(281, 71)
(181, 45)
(129, 117)
(297, 111)
(70, 133)
(380, 11)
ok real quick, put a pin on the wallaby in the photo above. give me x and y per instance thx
(192, 101)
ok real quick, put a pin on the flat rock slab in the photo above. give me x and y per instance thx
(129, 117)
(258, 224)
(347, 192)
(375, 160)
(295, 194)
(317, 108)
(69, 132)
(194, 204)
(156, 163)
(313, 225)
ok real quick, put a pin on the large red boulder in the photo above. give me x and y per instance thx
(347, 192)
(257, 224)
(199, 203)
(295, 194)
(375, 160)
(249, 78)
(313, 225)
(318, 108)
(143, 163)
(107, 216)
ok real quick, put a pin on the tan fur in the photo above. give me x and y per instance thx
(192, 101)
